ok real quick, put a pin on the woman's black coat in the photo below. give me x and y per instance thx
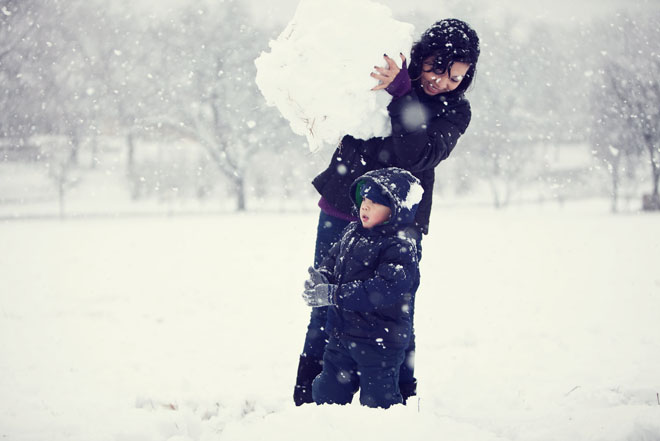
(425, 129)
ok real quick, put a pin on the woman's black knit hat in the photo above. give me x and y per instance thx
(448, 41)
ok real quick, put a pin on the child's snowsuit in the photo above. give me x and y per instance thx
(377, 274)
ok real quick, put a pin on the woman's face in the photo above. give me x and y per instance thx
(435, 84)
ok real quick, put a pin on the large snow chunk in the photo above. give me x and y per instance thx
(317, 72)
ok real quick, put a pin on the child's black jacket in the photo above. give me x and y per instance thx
(377, 270)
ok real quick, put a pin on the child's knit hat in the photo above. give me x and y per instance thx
(375, 193)
(393, 187)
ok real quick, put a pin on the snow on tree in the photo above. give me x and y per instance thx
(612, 141)
(202, 76)
(627, 101)
(504, 119)
(317, 72)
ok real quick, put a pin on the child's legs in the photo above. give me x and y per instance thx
(339, 381)
(378, 369)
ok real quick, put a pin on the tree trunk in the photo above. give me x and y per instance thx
(496, 197)
(651, 202)
(95, 151)
(60, 193)
(655, 163)
(75, 149)
(239, 185)
(130, 154)
(615, 187)
(656, 176)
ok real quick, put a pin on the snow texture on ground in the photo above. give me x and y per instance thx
(317, 70)
(532, 324)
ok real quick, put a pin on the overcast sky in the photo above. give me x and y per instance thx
(560, 10)
(280, 11)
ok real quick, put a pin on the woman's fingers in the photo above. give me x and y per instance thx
(391, 63)
(381, 77)
(386, 74)
(381, 70)
(384, 81)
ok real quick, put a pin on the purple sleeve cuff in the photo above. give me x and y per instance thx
(329, 209)
(401, 84)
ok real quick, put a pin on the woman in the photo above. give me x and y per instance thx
(428, 113)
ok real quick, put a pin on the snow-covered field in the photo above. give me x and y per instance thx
(533, 324)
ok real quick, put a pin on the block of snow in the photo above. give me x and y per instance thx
(317, 70)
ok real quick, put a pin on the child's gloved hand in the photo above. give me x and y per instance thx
(315, 278)
(322, 294)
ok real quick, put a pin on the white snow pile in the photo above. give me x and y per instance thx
(317, 72)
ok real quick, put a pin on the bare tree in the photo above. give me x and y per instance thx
(205, 73)
(629, 105)
(17, 23)
(613, 142)
(505, 123)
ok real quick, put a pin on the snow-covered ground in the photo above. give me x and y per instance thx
(533, 324)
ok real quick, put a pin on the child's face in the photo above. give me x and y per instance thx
(372, 214)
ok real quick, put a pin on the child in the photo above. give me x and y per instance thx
(369, 281)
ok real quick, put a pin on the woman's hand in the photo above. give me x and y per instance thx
(387, 74)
